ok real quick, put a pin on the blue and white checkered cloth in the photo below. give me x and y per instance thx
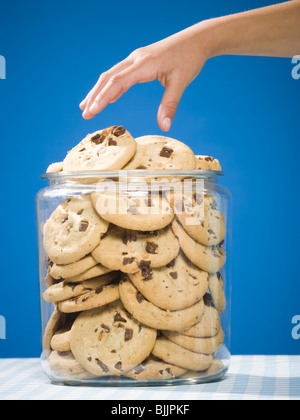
(249, 378)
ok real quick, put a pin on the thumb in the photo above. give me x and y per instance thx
(170, 101)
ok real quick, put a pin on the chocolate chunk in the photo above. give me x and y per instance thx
(146, 271)
(179, 207)
(147, 274)
(99, 290)
(174, 275)
(98, 138)
(89, 359)
(118, 131)
(112, 142)
(80, 212)
(102, 365)
(65, 218)
(83, 226)
(141, 167)
(139, 297)
(118, 318)
(166, 152)
(198, 198)
(106, 328)
(151, 248)
(210, 231)
(127, 260)
(128, 334)
(209, 159)
(214, 204)
(118, 366)
(133, 210)
(144, 264)
(139, 369)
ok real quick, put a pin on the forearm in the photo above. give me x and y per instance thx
(269, 31)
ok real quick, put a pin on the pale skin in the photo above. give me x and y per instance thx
(176, 61)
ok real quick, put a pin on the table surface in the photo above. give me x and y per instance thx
(249, 377)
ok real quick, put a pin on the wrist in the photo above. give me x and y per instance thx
(216, 33)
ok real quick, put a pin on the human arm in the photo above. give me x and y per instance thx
(177, 60)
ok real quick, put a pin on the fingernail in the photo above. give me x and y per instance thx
(167, 123)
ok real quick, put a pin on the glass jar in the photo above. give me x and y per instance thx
(134, 273)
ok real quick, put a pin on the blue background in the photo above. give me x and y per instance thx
(243, 110)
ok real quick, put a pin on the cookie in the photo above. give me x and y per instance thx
(207, 258)
(73, 230)
(155, 369)
(108, 341)
(70, 270)
(216, 367)
(176, 286)
(49, 280)
(61, 340)
(149, 314)
(216, 288)
(161, 153)
(65, 366)
(178, 356)
(108, 149)
(63, 290)
(209, 324)
(90, 300)
(205, 163)
(208, 345)
(129, 251)
(55, 167)
(54, 324)
(97, 271)
(141, 211)
(197, 215)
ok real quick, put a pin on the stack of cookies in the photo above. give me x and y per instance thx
(134, 277)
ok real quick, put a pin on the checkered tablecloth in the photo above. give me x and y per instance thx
(249, 377)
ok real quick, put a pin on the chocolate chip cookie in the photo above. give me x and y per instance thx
(108, 149)
(73, 230)
(130, 251)
(175, 286)
(108, 341)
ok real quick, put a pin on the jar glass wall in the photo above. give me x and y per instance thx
(134, 273)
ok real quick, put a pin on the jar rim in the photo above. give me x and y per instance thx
(57, 176)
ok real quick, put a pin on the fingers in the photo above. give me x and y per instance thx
(168, 107)
(103, 79)
(117, 85)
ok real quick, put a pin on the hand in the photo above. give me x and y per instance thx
(177, 60)
(174, 61)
